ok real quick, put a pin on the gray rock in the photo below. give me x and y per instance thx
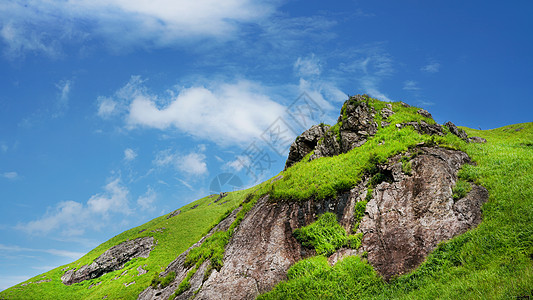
(173, 214)
(423, 127)
(305, 143)
(386, 112)
(407, 218)
(477, 139)
(424, 113)
(456, 131)
(111, 260)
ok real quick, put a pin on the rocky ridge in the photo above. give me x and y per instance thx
(407, 214)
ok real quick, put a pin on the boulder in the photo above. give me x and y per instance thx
(305, 143)
(111, 260)
(458, 132)
(406, 218)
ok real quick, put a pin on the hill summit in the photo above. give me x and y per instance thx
(384, 203)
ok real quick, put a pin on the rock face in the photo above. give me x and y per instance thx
(405, 219)
(113, 259)
(305, 143)
(261, 250)
(408, 217)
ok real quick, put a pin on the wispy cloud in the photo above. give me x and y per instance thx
(147, 200)
(432, 67)
(411, 85)
(185, 183)
(56, 252)
(192, 163)
(10, 175)
(369, 65)
(129, 154)
(72, 218)
(307, 66)
(42, 26)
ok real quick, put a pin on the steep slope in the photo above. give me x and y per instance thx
(359, 204)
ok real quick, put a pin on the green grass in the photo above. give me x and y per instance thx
(325, 177)
(325, 235)
(493, 261)
(181, 232)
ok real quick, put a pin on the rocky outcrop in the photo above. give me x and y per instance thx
(111, 260)
(261, 250)
(305, 143)
(458, 132)
(355, 124)
(408, 217)
(423, 128)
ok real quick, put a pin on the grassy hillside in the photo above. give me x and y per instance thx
(173, 236)
(492, 261)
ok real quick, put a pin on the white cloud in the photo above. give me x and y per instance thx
(307, 66)
(56, 252)
(64, 88)
(192, 163)
(130, 154)
(370, 65)
(185, 183)
(115, 199)
(411, 85)
(147, 200)
(106, 107)
(225, 113)
(41, 25)
(73, 218)
(238, 164)
(432, 67)
(10, 175)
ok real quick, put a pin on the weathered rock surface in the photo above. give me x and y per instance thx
(111, 260)
(407, 218)
(458, 132)
(357, 124)
(423, 127)
(305, 143)
(261, 250)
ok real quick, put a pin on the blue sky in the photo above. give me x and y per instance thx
(115, 112)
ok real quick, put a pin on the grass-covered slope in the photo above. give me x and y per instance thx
(173, 235)
(492, 261)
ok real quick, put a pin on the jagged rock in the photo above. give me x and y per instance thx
(477, 139)
(173, 214)
(404, 104)
(408, 217)
(386, 112)
(423, 127)
(458, 132)
(195, 206)
(329, 146)
(178, 266)
(424, 113)
(260, 251)
(113, 259)
(357, 123)
(305, 143)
